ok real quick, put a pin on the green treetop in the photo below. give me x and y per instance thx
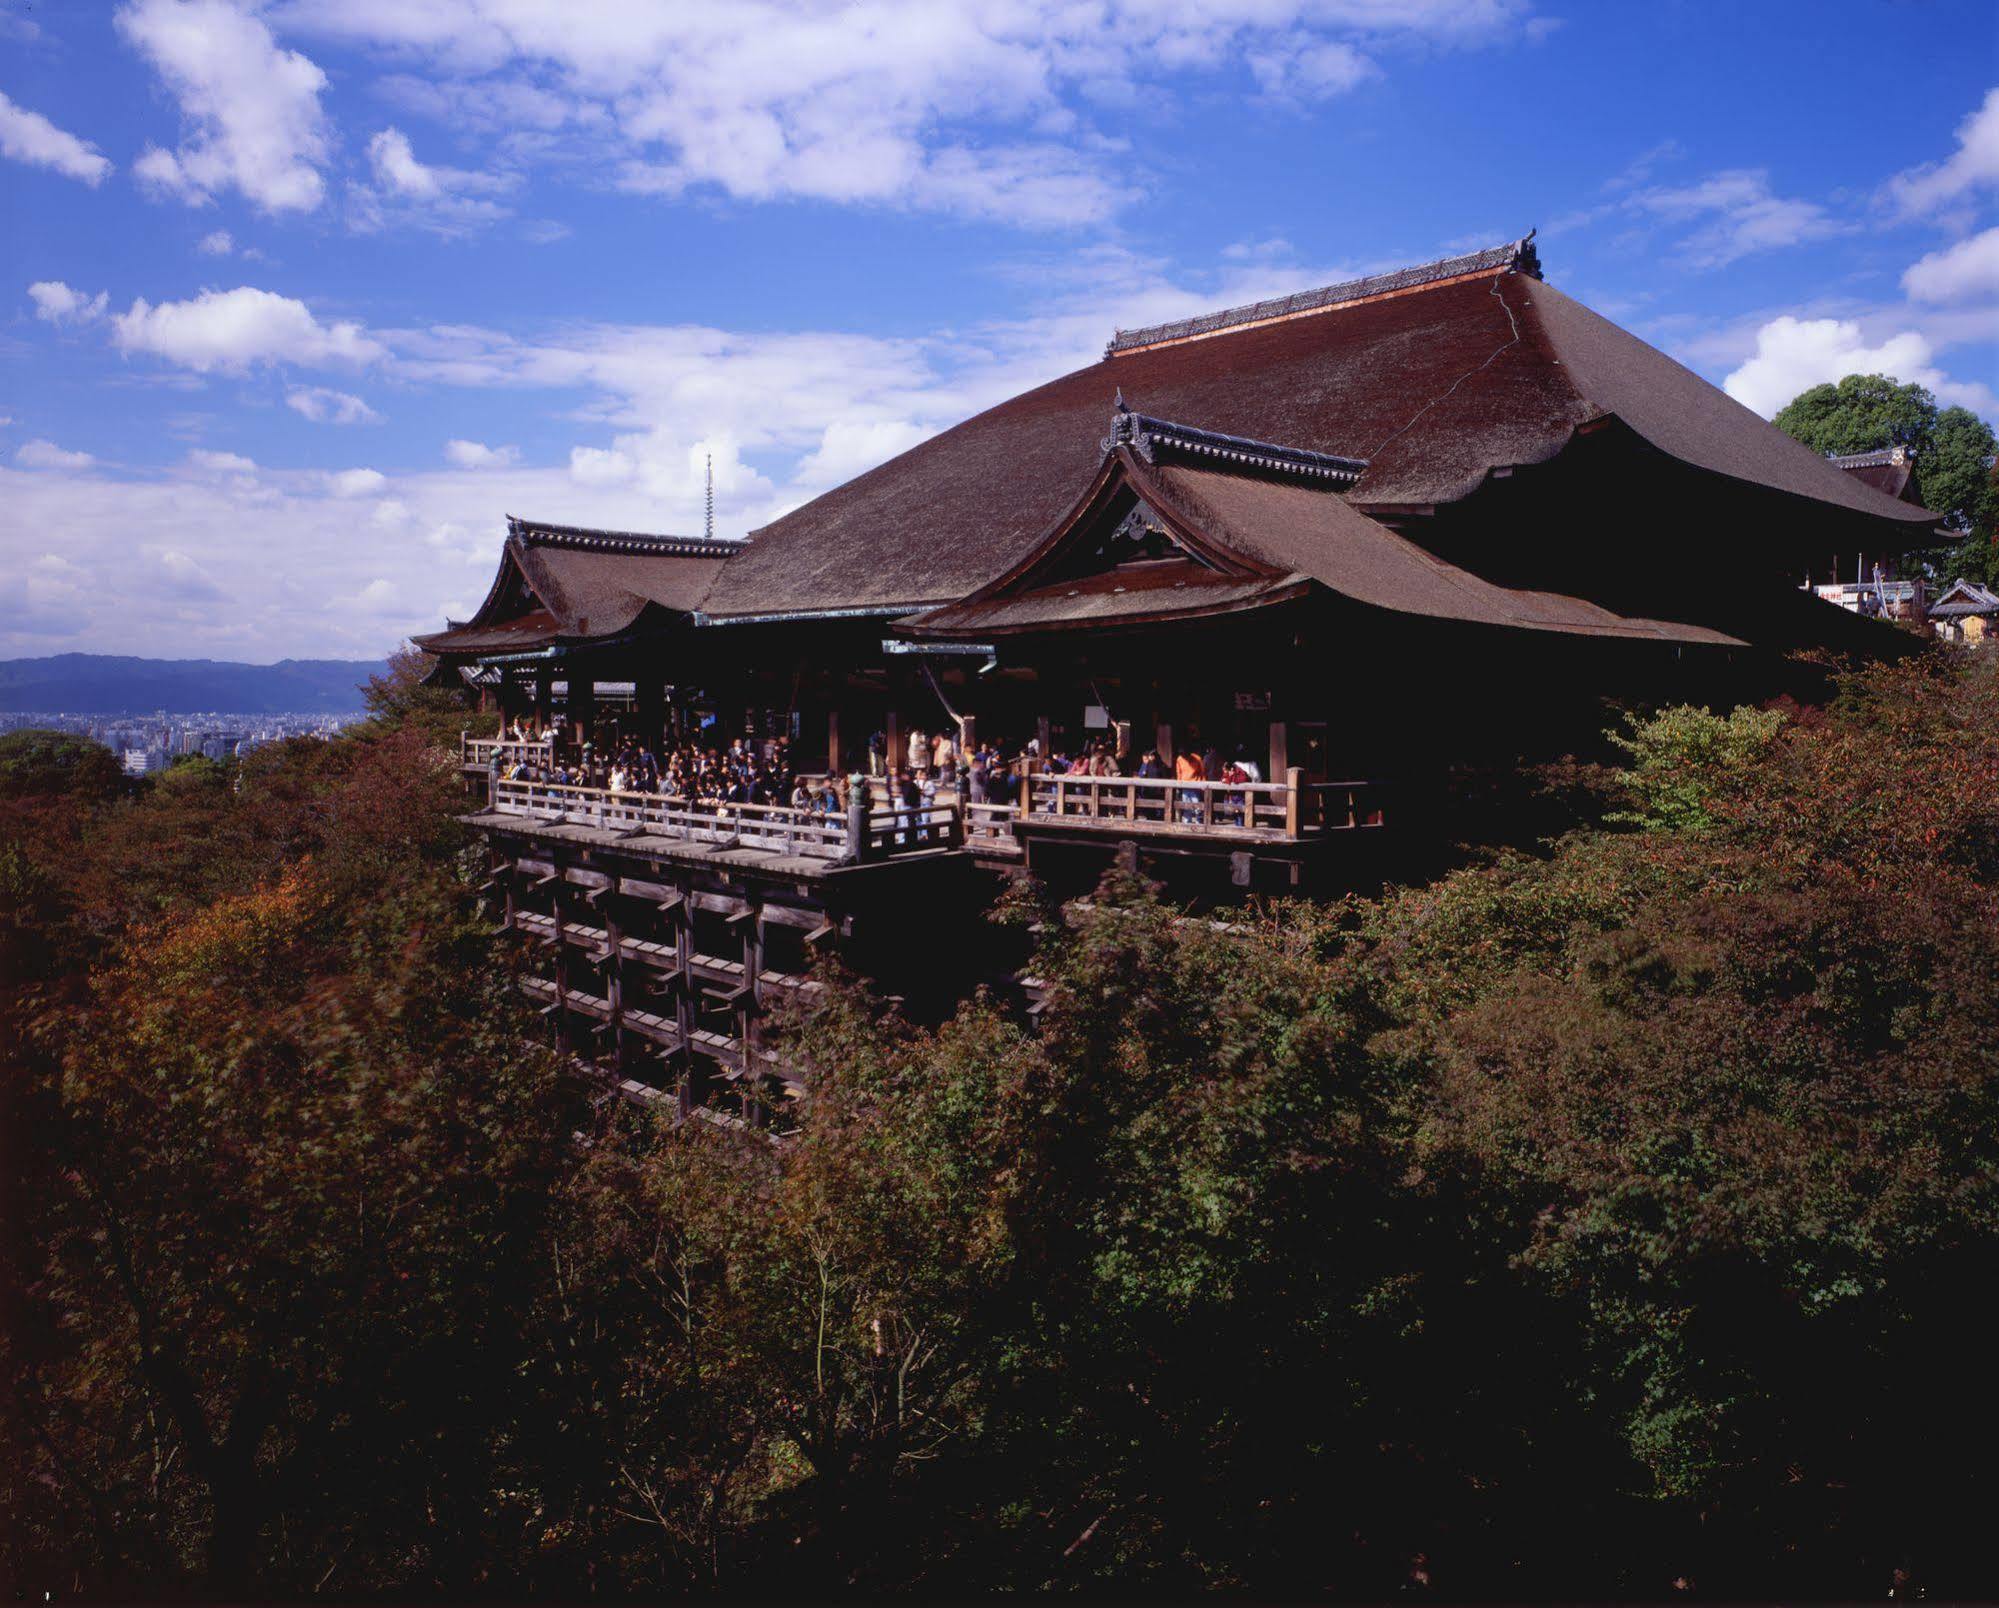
(1953, 447)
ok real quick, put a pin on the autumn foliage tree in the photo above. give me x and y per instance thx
(1612, 1220)
(290, 1146)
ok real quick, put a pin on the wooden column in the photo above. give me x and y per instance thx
(683, 994)
(1280, 749)
(614, 979)
(565, 1038)
(544, 698)
(833, 742)
(748, 1007)
(582, 702)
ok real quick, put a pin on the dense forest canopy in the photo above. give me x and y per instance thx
(1612, 1219)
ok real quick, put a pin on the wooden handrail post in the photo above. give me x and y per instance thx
(857, 824)
(1294, 792)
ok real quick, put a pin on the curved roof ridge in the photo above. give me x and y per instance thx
(1515, 256)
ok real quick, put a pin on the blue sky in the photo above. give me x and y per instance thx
(303, 297)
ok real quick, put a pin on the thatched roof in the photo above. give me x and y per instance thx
(1435, 376)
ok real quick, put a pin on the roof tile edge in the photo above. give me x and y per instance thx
(1516, 256)
(618, 541)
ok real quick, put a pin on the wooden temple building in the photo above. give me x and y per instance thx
(1375, 536)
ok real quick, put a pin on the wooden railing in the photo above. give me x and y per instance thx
(480, 751)
(868, 830)
(990, 826)
(859, 833)
(1269, 809)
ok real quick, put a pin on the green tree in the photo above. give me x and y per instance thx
(1865, 412)
(1957, 475)
(1681, 756)
(36, 763)
(1861, 413)
(400, 696)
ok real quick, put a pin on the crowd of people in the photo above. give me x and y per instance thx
(760, 772)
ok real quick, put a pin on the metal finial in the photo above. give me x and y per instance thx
(708, 524)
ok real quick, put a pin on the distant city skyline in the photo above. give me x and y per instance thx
(307, 296)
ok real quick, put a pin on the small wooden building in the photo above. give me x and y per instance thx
(1965, 612)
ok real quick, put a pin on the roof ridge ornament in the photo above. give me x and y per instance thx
(1148, 437)
(1515, 256)
(1899, 452)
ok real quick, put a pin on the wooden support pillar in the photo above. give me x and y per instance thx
(683, 995)
(1280, 749)
(565, 1035)
(1163, 740)
(614, 967)
(582, 702)
(968, 736)
(544, 698)
(749, 1006)
(1294, 801)
(833, 743)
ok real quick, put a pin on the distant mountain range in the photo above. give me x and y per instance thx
(105, 684)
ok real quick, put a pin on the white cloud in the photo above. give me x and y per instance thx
(1972, 166)
(397, 167)
(1738, 215)
(445, 200)
(29, 137)
(379, 596)
(1967, 271)
(850, 446)
(175, 575)
(356, 482)
(324, 406)
(56, 303)
(594, 466)
(961, 106)
(252, 109)
(477, 455)
(219, 243)
(1793, 354)
(221, 463)
(1308, 71)
(47, 455)
(235, 329)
